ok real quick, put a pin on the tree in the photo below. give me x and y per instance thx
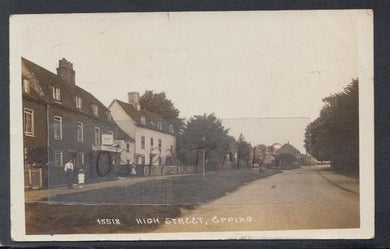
(244, 151)
(158, 103)
(203, 131)
(334, 135)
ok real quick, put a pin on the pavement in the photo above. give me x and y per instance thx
(42, 195)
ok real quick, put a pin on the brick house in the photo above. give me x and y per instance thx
(69, 123)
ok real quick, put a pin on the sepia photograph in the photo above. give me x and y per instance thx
(192, 125)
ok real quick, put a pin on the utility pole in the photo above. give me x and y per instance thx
(204, 156)
(203, 162)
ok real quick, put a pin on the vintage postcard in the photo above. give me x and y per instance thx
(192, 125)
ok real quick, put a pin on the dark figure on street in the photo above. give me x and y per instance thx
(69, 173)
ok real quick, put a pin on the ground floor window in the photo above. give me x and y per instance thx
(80, 158)
(28, 122)
(97, 136)
(58, 161)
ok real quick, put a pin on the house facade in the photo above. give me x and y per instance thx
(63, 122)
(155, 140)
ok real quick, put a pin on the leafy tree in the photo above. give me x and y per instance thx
(334, 135)
(203, 131)
(158, 103)
(244, 151)
(286, 159)
(38, 156)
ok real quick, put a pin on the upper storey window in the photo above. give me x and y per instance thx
(143, 120)
(26, 86)
(95, 110)
(56, 93)
(79, 102)
(159, 125)
(28, 122)
(171, 128)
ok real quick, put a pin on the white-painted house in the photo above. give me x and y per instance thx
(154, 137)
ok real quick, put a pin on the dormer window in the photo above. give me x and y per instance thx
(26, 86)
(95, 110)
(56, 93)
(171, 128)
(143, 120)
(79, 102)
(159, 125)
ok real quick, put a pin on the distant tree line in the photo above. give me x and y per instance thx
(334, 135)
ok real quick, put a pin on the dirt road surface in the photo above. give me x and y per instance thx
(305, 198)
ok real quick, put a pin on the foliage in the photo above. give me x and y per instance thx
(158, 103)
(334, 136)
(38, 156)
(286, 158)
(244, 151)
(203, 131)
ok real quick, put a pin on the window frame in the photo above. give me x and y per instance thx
(171, 129)
(26, 86)
(80, 140)
(79, 102)
(57, 118)
(142, 142)
(61, 158)
(95, 110)
(159, 125)
(56, 93)
(143, 120)
(98, 139)
(31, 112)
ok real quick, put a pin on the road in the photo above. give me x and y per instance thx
(305, 198)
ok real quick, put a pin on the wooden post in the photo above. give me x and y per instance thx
(203, 162)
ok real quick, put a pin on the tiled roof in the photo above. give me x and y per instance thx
(289, 149)
(119, 134)
(151, 118)
(41, 81)
(136, 115)
(46, 80)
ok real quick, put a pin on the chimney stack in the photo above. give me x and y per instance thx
(66, 72)
(134, 100)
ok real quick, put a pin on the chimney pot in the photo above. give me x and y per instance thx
(65, 71)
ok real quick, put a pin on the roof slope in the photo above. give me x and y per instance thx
(119, 134)
(151, 118)
(47, 80)
(288, 149)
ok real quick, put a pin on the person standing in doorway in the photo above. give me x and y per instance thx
(69, 173)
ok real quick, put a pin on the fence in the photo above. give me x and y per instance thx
(33, 178)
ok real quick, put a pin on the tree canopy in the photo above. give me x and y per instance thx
(203, 131)
(158, 103)
(334, 136)
(244, 151)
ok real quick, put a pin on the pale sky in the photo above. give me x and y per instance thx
(246, 67)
